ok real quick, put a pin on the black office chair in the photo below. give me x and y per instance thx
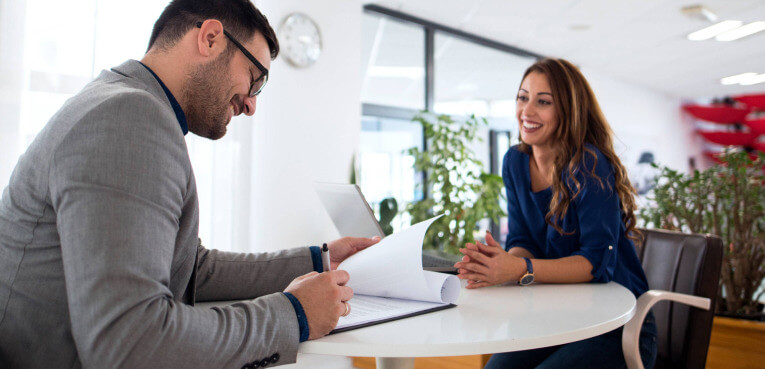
(682, 268)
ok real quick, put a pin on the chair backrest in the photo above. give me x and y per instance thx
(684, 263)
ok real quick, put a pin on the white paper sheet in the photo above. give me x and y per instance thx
(388, 280)
(393, 268)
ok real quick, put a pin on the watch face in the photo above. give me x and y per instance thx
(527, 279)
(300, 39)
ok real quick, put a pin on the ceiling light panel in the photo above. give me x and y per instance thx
(753, 80)
(732, 80)
(740, 32)
(714, 30)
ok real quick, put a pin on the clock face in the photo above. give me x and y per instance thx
(300, 39)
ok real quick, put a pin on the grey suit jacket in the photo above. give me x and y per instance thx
(99, 248)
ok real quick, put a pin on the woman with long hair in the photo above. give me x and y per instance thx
(571, 213)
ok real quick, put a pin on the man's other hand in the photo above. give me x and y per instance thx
(341, 249)
(322, 296)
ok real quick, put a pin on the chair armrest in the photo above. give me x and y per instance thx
(631, 333)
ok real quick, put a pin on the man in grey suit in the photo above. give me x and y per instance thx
(100, 263)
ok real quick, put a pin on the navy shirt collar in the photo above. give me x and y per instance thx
(173, 102)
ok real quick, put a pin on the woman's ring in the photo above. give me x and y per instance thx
(347, 308)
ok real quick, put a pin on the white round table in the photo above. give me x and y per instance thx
(489, 320)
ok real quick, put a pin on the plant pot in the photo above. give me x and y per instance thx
(758, 316)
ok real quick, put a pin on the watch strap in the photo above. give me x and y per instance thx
(528, 277)
(529, 266)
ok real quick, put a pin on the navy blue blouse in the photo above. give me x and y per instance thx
(594, 216)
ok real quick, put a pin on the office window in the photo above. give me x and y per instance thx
(474, 79)
(413, 64)
(385, 169)
(499, 143)
(470, 78)
(393, 54)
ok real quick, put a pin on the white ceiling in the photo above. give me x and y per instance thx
(638, 41)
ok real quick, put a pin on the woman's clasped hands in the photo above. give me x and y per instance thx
(488, 265)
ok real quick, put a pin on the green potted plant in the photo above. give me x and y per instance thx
(727, 200)
(458, 187)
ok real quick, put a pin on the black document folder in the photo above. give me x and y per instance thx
(371, 310)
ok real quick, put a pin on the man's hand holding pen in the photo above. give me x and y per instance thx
(324, 295)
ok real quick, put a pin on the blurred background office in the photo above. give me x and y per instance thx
(380, 63)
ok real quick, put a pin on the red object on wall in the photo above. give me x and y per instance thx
(757, 126)
(729, 138)
(752, 100)
(718, 113)
(715, 156)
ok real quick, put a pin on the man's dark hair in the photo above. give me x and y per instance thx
(239, 17)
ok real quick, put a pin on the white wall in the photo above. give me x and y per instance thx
(307, 127)
(644, 120)
(11, 42)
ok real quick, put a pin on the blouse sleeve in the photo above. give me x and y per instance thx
(598, 212)
(518, 232)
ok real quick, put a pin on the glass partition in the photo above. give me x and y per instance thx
(412, 64)
(385, 168)
(471, 78)
(393, 63)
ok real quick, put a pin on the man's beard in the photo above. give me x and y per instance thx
(207, 105)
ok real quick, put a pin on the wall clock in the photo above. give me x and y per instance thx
(301, 40)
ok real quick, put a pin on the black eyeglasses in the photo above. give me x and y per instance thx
(257, 84)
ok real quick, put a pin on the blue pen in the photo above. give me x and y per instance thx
(325, 257)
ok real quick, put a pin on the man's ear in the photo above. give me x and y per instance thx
(211, 39)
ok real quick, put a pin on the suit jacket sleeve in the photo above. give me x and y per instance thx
(118, 189)
(234, 276)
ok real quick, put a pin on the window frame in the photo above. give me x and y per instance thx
(431, 28)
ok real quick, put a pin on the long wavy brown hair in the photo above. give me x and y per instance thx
(580, 122)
